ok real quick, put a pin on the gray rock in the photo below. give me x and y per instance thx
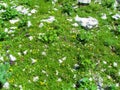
(87, 23)
(84, 1)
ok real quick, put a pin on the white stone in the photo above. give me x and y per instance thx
(49, 20)
(22, 9)
(12, 58)
(84, 1)
(6, 85)
(87, 23)
(116, 16)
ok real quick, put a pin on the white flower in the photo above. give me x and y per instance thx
(90, 79)
(1, 58)
(44, 53)
(60, 61)
(104, 62)
(41, 25)
(64, 58)
(4, 4)
(29, 24)
(70, 20)
(31, 38)
(108, 77)
(104, 16)
(20, 86)
(19, 53)
(117, 84)
(115, 64)
(25, 52)
(75, 25)
(6, 85)
(35, 79)
(12, 58)
(33, 11)
(119, 73)
(57, 72)
(13, 21)
(43, 71)
(59, 80)
(6, 30)
(33, 60)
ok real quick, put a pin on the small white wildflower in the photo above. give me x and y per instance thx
(13, 27)
(70, 20)
(117, 84)
(75, 25)
(25, 52)
(23, 70)
(74, 85)
(19, 53)
(35, 79)
(29, 81)
(43, 71)
(6, 30)
(29, 23)
(74, 76)
(60, 61)
(44, 53)
(20, 86)
(115, 64)
(11, 31)
(59, 80)
(1, 58)
(104, 16)
(104, 62)
(41, 25)
(64, 58)
(31, 38)
(6, 85)
(33, 60)
(55, 9)
(12, 58)
(119, 73)
(29, 14)
(57, 72)
(90, 79)
(33, 11)
(108, 77)
(4, 4)
(13, 21)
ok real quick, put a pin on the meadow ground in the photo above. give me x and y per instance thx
(42, 47)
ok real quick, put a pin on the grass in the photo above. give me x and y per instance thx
(64, 56)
